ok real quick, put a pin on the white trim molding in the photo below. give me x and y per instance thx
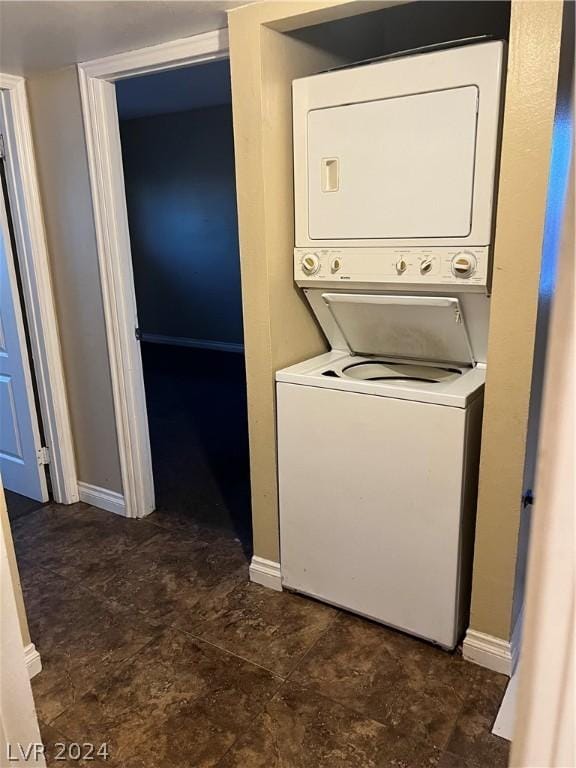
(265, 572)
(33, 660)
(488, 651)
(506, 717)
(516, 639)
(103, 498)
(102, 131)
(185, 341)
(173, 54)
(34, 265)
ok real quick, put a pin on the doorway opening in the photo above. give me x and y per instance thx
(178, 160)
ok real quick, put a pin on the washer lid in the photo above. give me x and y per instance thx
(424, 328)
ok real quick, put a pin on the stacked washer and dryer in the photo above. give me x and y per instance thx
(379, 438)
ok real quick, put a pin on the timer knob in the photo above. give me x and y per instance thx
(426, 266)
(463, 264)
(401, 266)
(310, 264)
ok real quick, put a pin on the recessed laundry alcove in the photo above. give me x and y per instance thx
(272, 44)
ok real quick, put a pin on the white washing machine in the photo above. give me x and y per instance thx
(379, 439)
(378, 462)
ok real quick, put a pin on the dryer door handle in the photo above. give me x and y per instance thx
(330, 174)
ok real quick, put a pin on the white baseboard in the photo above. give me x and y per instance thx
(488, 651)
(184, 341)
(266, 573)
(102, 498)
(33, 660)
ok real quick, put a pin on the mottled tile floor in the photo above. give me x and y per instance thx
(153, 641)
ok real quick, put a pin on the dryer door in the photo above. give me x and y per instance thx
(395, 168)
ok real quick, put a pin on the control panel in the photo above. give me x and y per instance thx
(402, 266)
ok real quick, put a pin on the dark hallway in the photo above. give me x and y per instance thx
(199, 437)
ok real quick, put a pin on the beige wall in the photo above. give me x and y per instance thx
(58, 133)
(527, 135)
(279, 328)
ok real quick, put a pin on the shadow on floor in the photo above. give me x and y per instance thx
(197, 415)
(18, 505)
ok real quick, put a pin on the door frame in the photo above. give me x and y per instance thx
(39, 308)
(101, 126)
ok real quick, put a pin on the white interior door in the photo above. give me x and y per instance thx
(21, 464)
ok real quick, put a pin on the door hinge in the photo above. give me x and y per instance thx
(138, 334)
(2, 147)
(44, 455)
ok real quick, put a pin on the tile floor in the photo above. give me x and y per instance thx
(154, 642)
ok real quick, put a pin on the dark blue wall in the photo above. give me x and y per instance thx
(181, 197)
(175, 90)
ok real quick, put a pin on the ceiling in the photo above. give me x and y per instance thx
(177, 90)
(38, 36)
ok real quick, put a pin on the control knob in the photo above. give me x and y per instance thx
(426, 266)
(463, 264)
(401, 266)
(310, 264)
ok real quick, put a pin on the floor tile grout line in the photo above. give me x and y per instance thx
(314, 644)
(357, 712)
(114, 670)
(109, 606)
(277, 678)
(349, 707)
(228, 652)
(461, 709)
(117, 668)
(126, 551)
(155, 530)
(84, 589)
(92, 590)
(170, 529)
(81, 586)
(281, 685)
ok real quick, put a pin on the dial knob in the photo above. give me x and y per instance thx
(310, 264)
(426, 266)
(463, 264)
(401, 266)
(336, 265)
